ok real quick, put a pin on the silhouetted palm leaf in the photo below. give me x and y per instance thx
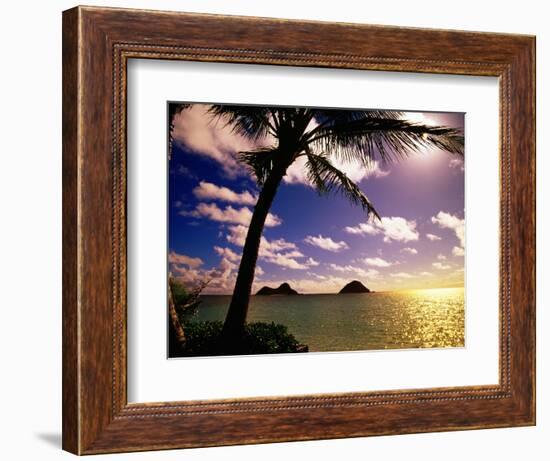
(261, 162)
(248, 121)
(327, 178)
(367, 138)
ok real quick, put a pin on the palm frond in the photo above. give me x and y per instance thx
(176, 108)
(251, 122)
(322, 116)
(260, 161)
(389, 138)
(327, 178)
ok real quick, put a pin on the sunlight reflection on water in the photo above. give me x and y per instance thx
(387, 320)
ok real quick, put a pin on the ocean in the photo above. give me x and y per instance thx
(351, 322)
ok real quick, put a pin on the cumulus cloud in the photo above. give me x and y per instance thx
(409, 250)
(228, 214)
(355, 170)
(456, 163)
(370, 273)
(227, 253)
(226, 264)
(188, 271)
(278, 251)
(458, 251)
(392, 228)
(237, 234)
(312, 262)
(441, 266)
(377, 262)
(221, 278)
(326, 243)
(401, 275)
(213, 138)
(433, 237)
(208, 191)
(317, 276)
(441, 257)
(269, 252)
(284, 260)
(456, 224)
(184, 260)
(426, 273)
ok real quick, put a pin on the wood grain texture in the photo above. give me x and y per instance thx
(70, 383)
(97, 43)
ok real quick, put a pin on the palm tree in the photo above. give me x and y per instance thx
(319, 135)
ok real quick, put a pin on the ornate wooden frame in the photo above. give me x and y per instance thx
(97, 43)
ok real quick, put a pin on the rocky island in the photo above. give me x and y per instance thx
(354, 287)
(283, 289)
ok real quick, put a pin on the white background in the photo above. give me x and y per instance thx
(30, 243)
(152, 378)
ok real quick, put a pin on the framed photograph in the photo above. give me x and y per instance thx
(280, 230)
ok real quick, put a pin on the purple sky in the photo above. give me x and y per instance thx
(317, 244)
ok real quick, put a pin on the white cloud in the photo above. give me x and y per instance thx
(181, 259)
(312, 262)
(226, 264)
(326, 243)
(355, 170)
(279, 251)
(221, 278)
(213, 138)
(237, 235)
(227, 253)
(393, 228)
(409, 250)
(449, 221)
(401, 275)
(285, 261)
(377, 262)
(426, 273)
(433, 237)
(208, 191)
(370, 273)
(317, 276)
(229, 214)
(441, 266)
(458, 251)
(456, 163)
(278, 245)
(441, 257)
(362, 228)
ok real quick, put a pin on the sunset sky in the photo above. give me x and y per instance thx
(317, 244)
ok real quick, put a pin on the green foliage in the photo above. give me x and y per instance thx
(180, 295)
(185, 301)
(203, 339)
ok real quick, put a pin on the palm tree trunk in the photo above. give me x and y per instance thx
(238, 308)
(177, 335)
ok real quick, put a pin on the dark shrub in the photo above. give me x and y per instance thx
(202, 339)
(180, 294)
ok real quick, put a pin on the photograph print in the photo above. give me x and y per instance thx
(303, 229)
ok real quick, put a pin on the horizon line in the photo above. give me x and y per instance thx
(336, 292)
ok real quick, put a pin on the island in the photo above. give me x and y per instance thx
(354, 287)
(283, 289)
